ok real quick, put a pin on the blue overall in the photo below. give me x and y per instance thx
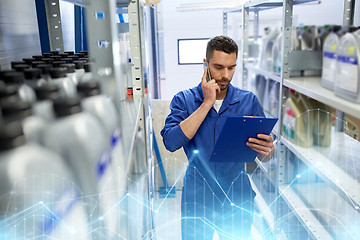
(216, 196)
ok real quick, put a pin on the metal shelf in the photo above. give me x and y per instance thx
(347, 187)
(305, 216)
(263, 206)
(262, 72)
(260, 5)
(311, 87)
(84, 3)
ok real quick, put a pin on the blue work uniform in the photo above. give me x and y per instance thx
(215, 195)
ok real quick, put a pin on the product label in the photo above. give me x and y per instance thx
(115, 138)
(348, 74)
(329, 66)
(351, 49)
(289, 123)
(333, 47)
(103, 164)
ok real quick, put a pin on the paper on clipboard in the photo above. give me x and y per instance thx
(231, 144)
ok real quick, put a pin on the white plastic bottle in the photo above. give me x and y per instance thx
(101, 107)
(88, 76)
(66, 85)
(329, 66)
(38, 198)
(25, 92)
(45, 94)
(80, 139)
(18, 110)
(347, 82)
(70, 72)
(33, 77)
(79, 69)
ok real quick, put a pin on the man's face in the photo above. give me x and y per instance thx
(222, 68)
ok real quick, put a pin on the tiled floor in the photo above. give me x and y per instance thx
(167, 219)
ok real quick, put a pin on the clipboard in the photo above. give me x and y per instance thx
(231, 144)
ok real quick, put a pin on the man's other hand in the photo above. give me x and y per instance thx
(263, 144)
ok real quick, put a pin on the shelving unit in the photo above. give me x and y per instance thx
(311, 87)
(317, 159)
(305, 216)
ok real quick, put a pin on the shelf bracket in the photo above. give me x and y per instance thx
(52, 8)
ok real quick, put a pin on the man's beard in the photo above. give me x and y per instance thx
(223, 87)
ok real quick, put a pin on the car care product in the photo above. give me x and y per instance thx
(25, 92)
(322, 123)
(29, 60)
(66, 85)
(58, 63)
(298, 121)
(70, 53)
(260, 87)
(9, 92)
(33, 126)
(308, 41)
(79, 69)
(38, 197)
(80, 139)
(276, 53)
(21, 67)
(45, 94)
(347, 83)
(38, 57)
(329, 66)
(34, 64)
(45, 71)
(33, 77)
(70, 71)
(17, 63)
(101, 107)
(88, 74)
(265, 62)
(274, 98)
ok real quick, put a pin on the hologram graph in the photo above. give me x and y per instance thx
(319, 194)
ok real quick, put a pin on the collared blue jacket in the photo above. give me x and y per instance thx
(198, 150)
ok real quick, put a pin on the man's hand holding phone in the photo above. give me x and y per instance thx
(209, 86)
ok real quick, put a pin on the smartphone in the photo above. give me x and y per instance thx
(206, 68)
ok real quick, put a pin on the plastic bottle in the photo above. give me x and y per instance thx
(17, 63)
(347, 82)
(88, 76)
(297, 121)
(101, 107)
(45, 71)
(9, 92)
(26, 93)
(70, 72)
(329, 66)
(45, 94)
(18, 110)
(34, 64)
(33, 77)
(266, 48)
(37, 192)
(79, 69)
(21, 67)
(80, 139)
(66, 85)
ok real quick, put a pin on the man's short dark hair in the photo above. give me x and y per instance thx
(221, 43)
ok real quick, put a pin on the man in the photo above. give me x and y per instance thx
(215, 196)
